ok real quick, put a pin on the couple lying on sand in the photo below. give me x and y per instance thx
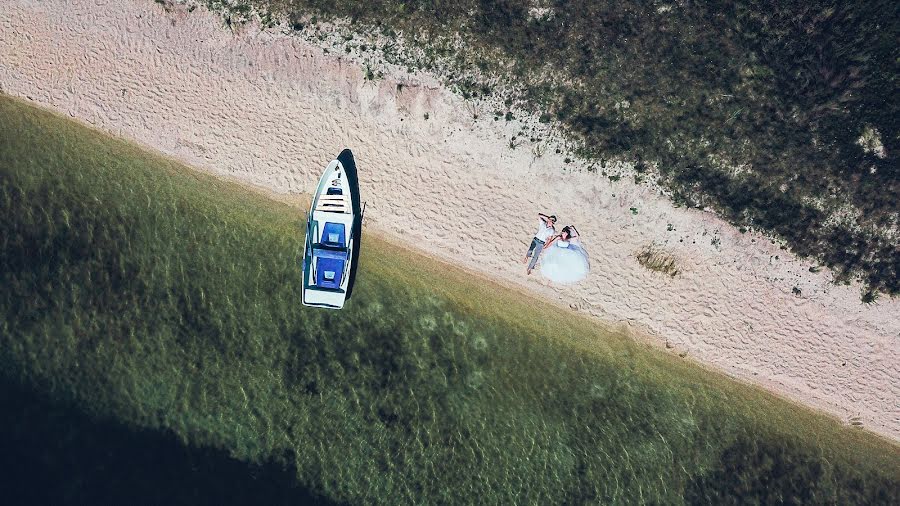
(563, 260)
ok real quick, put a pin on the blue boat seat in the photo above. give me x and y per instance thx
(329, 272)
(333, 234)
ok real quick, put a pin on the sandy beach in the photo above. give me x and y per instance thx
(271, 110)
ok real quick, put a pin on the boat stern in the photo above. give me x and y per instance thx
(331, 299)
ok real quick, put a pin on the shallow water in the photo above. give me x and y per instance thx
(144, 293)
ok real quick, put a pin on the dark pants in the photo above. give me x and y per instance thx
(536, 246)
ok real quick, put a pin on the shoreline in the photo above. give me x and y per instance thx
(270, 110)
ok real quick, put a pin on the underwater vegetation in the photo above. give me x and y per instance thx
(139, 293)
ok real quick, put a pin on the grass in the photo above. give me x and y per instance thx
(779, 115)
(167, 300)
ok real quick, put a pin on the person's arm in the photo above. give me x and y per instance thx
(544, 218)
(550, 241)
(574, 231)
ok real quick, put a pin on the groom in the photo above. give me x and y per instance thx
(545, 231)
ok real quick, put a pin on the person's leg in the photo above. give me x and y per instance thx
(534, 242)
(534, 258)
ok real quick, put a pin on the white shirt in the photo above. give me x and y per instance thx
(544, 232)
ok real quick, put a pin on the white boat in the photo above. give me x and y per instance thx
(333, 234)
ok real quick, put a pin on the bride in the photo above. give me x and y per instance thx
(563, 260)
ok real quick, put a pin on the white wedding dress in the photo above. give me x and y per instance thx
(565, 262)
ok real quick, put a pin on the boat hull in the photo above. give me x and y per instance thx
(331, 249)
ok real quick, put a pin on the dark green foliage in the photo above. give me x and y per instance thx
(784, 89)
(168, 301)
(869, 297)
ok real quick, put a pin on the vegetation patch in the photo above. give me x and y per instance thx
(655, 259)
(138, 291)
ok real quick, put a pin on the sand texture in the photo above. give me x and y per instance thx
(272, 110)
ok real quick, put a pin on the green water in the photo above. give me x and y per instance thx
(165, 300)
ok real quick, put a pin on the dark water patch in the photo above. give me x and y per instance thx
(779, 470)
(54, 454)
